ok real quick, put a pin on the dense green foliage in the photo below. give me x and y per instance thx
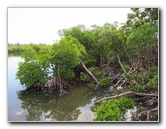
(130, 50)
(148, 82)
(19, 48)
(84, 77)
(58, 60)
(135, 43)
(16, 48)
(105, 82)
(113, 110)
(31, 74)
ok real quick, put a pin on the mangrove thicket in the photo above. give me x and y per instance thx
(99, 56)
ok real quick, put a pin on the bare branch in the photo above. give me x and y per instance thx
(123, 82)
(94, 78)
(113, 97)
(126, 93)
(121, 64)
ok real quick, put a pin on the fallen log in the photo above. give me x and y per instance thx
(126, 93)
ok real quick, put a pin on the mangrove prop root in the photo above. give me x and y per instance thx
(126, 93)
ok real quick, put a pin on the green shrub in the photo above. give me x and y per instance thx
(105, 82)
(113, 110)
(91, 85)
(99, 73)
(147, 81)
(153, 71)
(153, 83)
(84, 77)
(91, 69)
(141, 88)
(31, 74)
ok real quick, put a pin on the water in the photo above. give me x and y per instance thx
(32, 106)
(76, 105)
(14, 109)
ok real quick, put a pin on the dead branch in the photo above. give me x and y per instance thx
(144, 94)
(113, 97)
(123, 82)
(108, 63)
(117, 83)
(132, 69)
(153, 99)
(126, 93)
(121, 64)
(94, 78)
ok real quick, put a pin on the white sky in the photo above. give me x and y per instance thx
(40, 25)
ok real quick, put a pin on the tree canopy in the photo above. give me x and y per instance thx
(106, 55)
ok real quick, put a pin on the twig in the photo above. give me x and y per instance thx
(117, 83)
(150, 100)
(123, 82)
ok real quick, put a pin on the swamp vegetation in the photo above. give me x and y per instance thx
(100, 57)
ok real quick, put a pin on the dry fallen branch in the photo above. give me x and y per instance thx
(126, 93)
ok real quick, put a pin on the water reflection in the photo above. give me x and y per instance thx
(76, 105)
(50, 106)
(24, 105)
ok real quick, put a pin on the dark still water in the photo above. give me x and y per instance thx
(75, 105)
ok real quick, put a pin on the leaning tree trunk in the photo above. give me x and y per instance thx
(94, 78)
